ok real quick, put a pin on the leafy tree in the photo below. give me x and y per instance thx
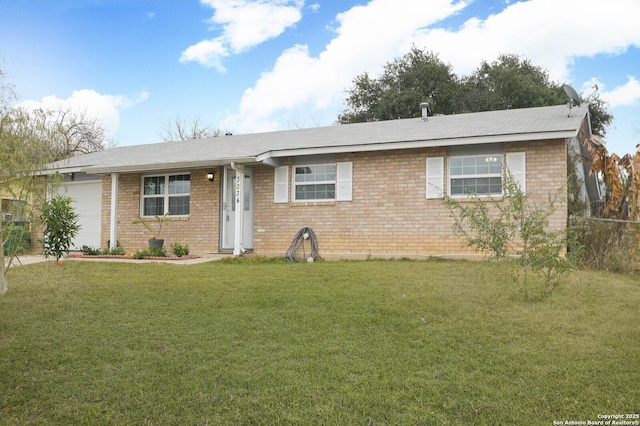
(417, 77)
(60, 226)
(600, 117)
(25, 146)
(509, 83)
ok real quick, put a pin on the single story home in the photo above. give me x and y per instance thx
(367, 190)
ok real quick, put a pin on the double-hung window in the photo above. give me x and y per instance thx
(475, 174)
(164, 194)
(317, 179)
(315, 182)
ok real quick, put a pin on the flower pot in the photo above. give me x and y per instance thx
(155, 242)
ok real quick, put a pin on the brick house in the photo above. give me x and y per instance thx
(368, 189)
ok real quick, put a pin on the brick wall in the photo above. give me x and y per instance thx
(389, 215)
(200, 230)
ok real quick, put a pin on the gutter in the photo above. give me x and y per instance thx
(132, 168)
(270, 156)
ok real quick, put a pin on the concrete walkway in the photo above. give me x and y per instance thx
(202, 258)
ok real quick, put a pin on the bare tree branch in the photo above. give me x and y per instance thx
(180, 129)
(75, 133)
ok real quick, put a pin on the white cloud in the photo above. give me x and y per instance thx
(207, 52)
(245, 24)
(366, 38)
(625, 95)
(106, 108)
(550, 33)
(547, 32)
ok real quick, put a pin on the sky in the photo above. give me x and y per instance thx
(251, 66)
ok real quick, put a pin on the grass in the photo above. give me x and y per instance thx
(335, 343)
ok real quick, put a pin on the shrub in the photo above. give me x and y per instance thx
(150, 252)
(116, 251)
(514, 226)
(90, 251)
(179, 250)
(605, 245)
(60, 226)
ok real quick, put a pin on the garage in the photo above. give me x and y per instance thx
(87, 203)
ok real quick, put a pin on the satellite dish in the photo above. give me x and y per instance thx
(572, 94)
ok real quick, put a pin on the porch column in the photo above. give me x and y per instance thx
(238, 250)
(113, 229)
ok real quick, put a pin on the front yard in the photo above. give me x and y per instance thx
(336, 343)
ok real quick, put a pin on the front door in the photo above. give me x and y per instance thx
(230, 190)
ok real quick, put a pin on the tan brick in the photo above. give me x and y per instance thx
(389, 214)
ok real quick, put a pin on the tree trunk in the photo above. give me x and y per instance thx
(3, 280)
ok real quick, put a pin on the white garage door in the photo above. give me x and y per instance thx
(87, 197)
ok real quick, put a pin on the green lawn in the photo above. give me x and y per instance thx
(334, 343)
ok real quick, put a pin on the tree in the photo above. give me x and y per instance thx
(514, 227)
(25, 147)
(417, 77)
(60, 226)
(600, 117)
(509, 82)
(183, 130)
(610, 238)
(75, 133)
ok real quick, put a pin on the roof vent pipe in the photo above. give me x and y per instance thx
(425, 109)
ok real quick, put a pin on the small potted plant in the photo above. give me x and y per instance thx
(155, 240)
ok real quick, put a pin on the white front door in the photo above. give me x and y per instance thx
(229, 209)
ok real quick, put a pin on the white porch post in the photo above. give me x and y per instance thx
(113, 229)
(238, 250)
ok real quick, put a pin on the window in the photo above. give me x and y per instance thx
(166, 194)
(477, 174)
(12, 210)
(480, 173)
(315, 182)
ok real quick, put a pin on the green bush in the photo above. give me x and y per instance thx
(90, 251)
(60, 226)
(150, 252)
(513, 226)
(116, 251)
(179, 250)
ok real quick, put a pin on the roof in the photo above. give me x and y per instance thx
(517, 125)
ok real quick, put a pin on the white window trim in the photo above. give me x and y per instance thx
(326, 182)
(166, 194)
(474, 176)
(343, 183)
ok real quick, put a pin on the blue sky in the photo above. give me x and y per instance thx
(249, 66)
